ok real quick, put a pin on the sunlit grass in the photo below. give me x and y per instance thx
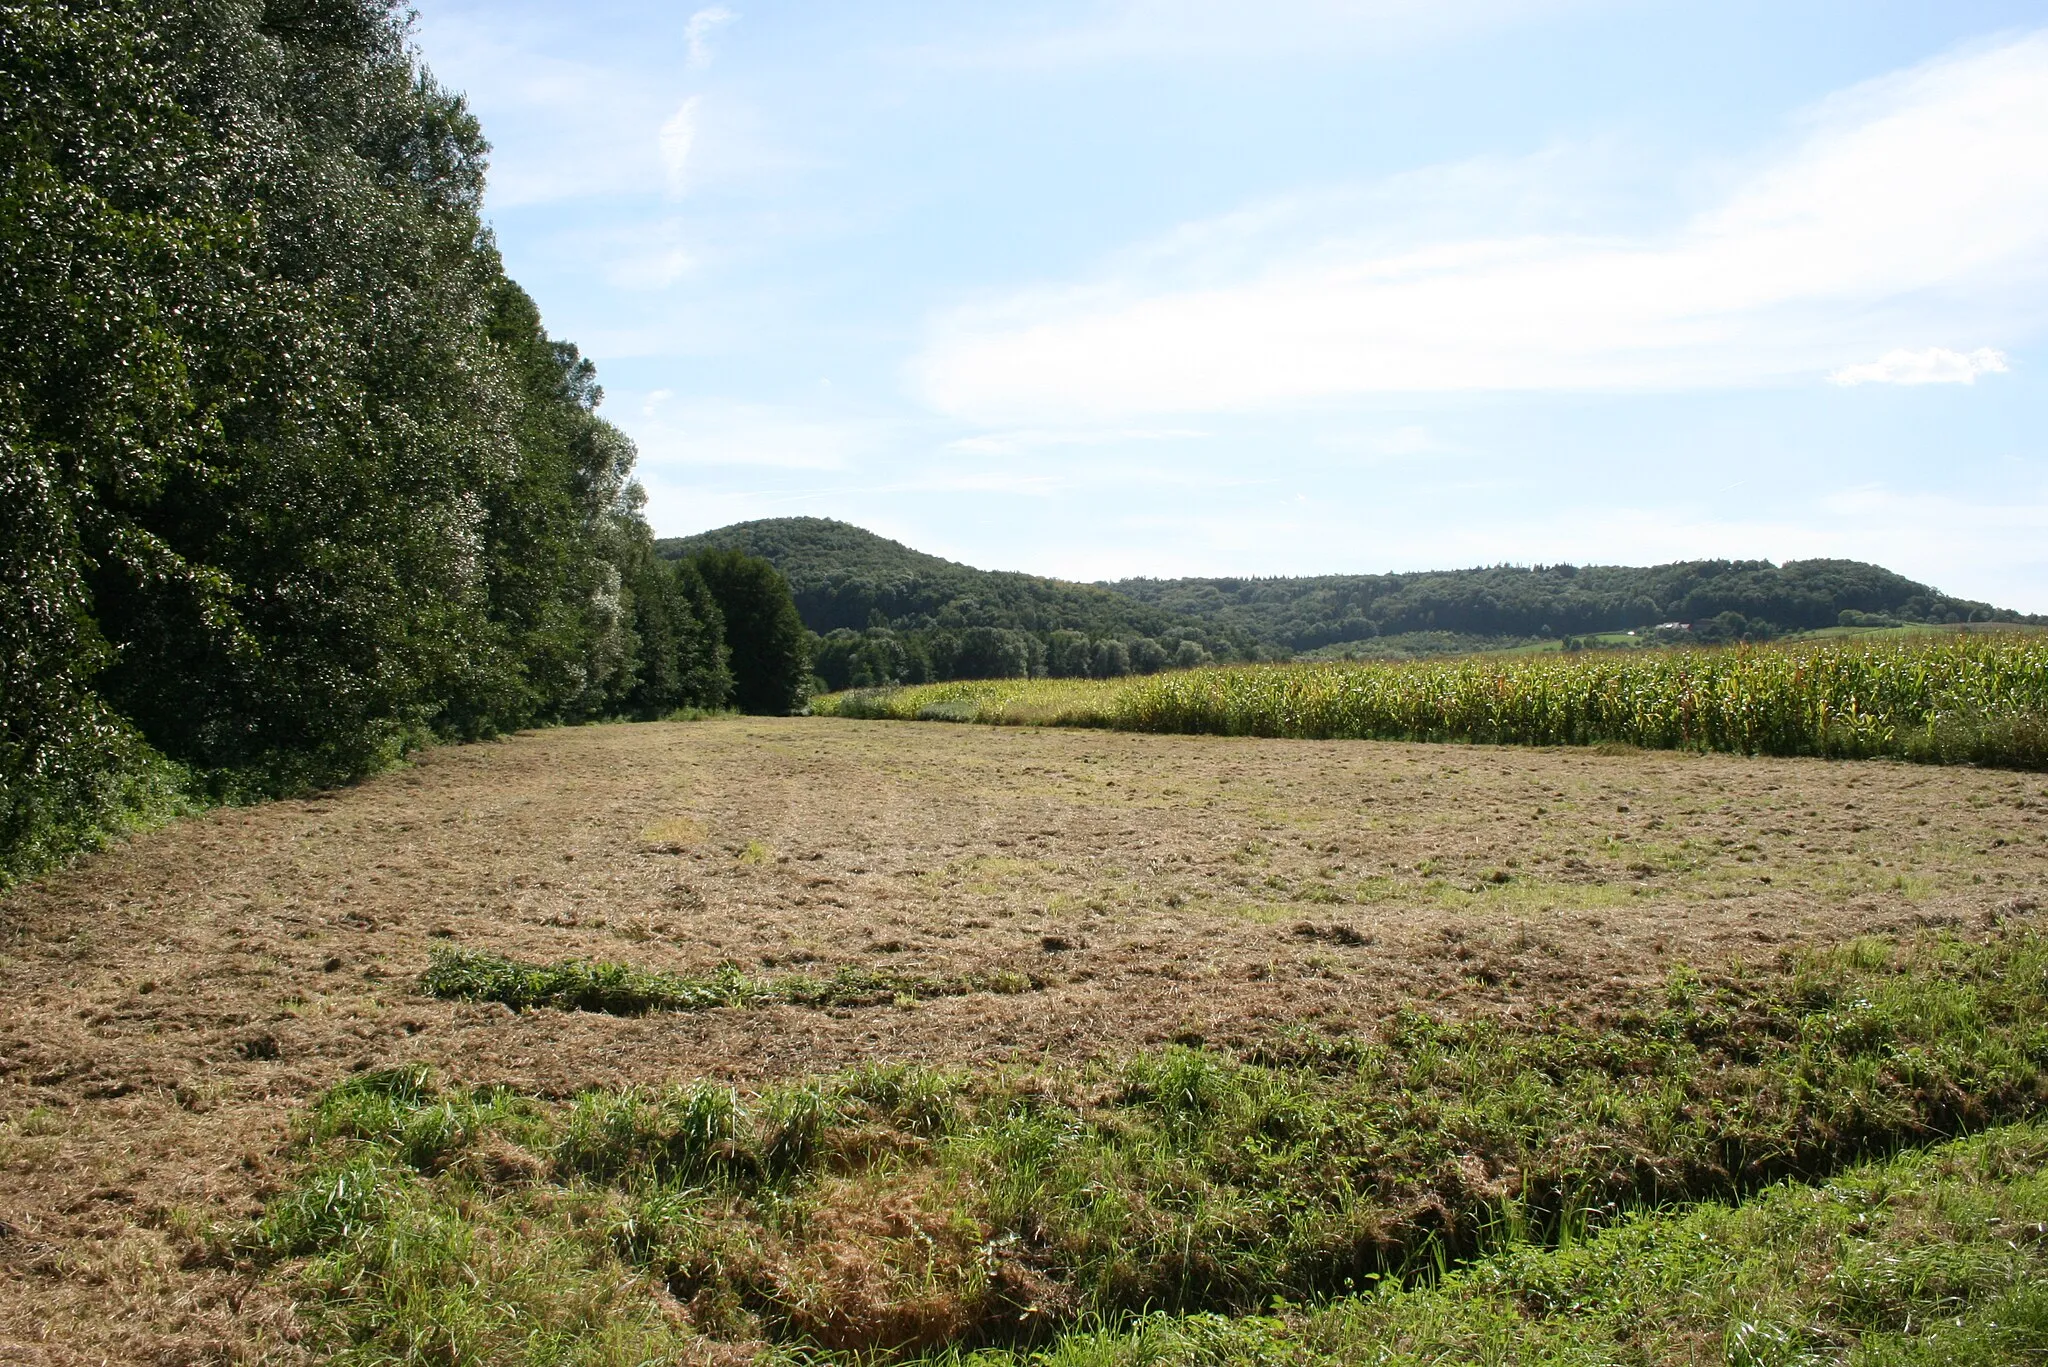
(902, 1209)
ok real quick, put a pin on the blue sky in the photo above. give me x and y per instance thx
(1102, 289)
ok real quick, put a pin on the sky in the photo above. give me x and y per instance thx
(1129, 287)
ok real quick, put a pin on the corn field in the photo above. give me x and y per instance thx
(1979, 699)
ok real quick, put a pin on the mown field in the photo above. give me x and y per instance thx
(818, 1040)
(1953, 699)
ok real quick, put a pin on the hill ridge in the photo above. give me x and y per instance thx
(853, 583)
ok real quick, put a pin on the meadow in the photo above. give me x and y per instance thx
(812, 1040)
(1944, 699)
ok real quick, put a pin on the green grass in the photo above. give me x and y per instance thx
(902, 1209)
(621, 990)
(1937, 1257)
(62, 801)
(1961, 698)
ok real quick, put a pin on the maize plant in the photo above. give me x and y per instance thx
(1974, 698)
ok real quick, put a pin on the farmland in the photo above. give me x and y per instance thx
(900, 938)
(1958, 698)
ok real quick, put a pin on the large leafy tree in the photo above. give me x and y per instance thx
(291, 476)
(683, 657)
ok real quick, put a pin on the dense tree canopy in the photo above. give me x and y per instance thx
(769, 648)
(291, 475)
(844, 577)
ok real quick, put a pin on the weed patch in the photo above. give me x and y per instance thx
(620, 990)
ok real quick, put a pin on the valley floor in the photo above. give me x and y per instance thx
(167, 1007)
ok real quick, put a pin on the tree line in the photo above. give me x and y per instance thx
(881, 656)
(848, 579)
(885, 614)
(292, 477)
(1720, 599)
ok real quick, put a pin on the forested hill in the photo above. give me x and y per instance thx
(1558, 600)
(863, 592)
(844, 576)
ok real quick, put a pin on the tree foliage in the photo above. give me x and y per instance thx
(292, 475)
(770, 650)
(844, 577)
(889, 614)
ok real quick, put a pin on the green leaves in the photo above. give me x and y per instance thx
(769, 647)
(295, 479)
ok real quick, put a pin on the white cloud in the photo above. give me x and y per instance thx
(658, 264)
(1936, 365)
(678, 136)
(1014, 442)
(555, 121)
(702, 432)
(698, 31)
(1913, 204)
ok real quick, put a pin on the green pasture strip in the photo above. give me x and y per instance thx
(1950, 699)
(621, 990)
(1936, 1257)
(906, 1209)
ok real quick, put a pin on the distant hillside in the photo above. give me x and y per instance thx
(1724, 597)
(892, 614)
(845, 577)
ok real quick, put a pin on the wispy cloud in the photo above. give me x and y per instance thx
(643, 256)
(1935, 365)
(1406, 442)
(698, 31)
(570, 113)
(678, 136)
(1913, 204)
(560, 123)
